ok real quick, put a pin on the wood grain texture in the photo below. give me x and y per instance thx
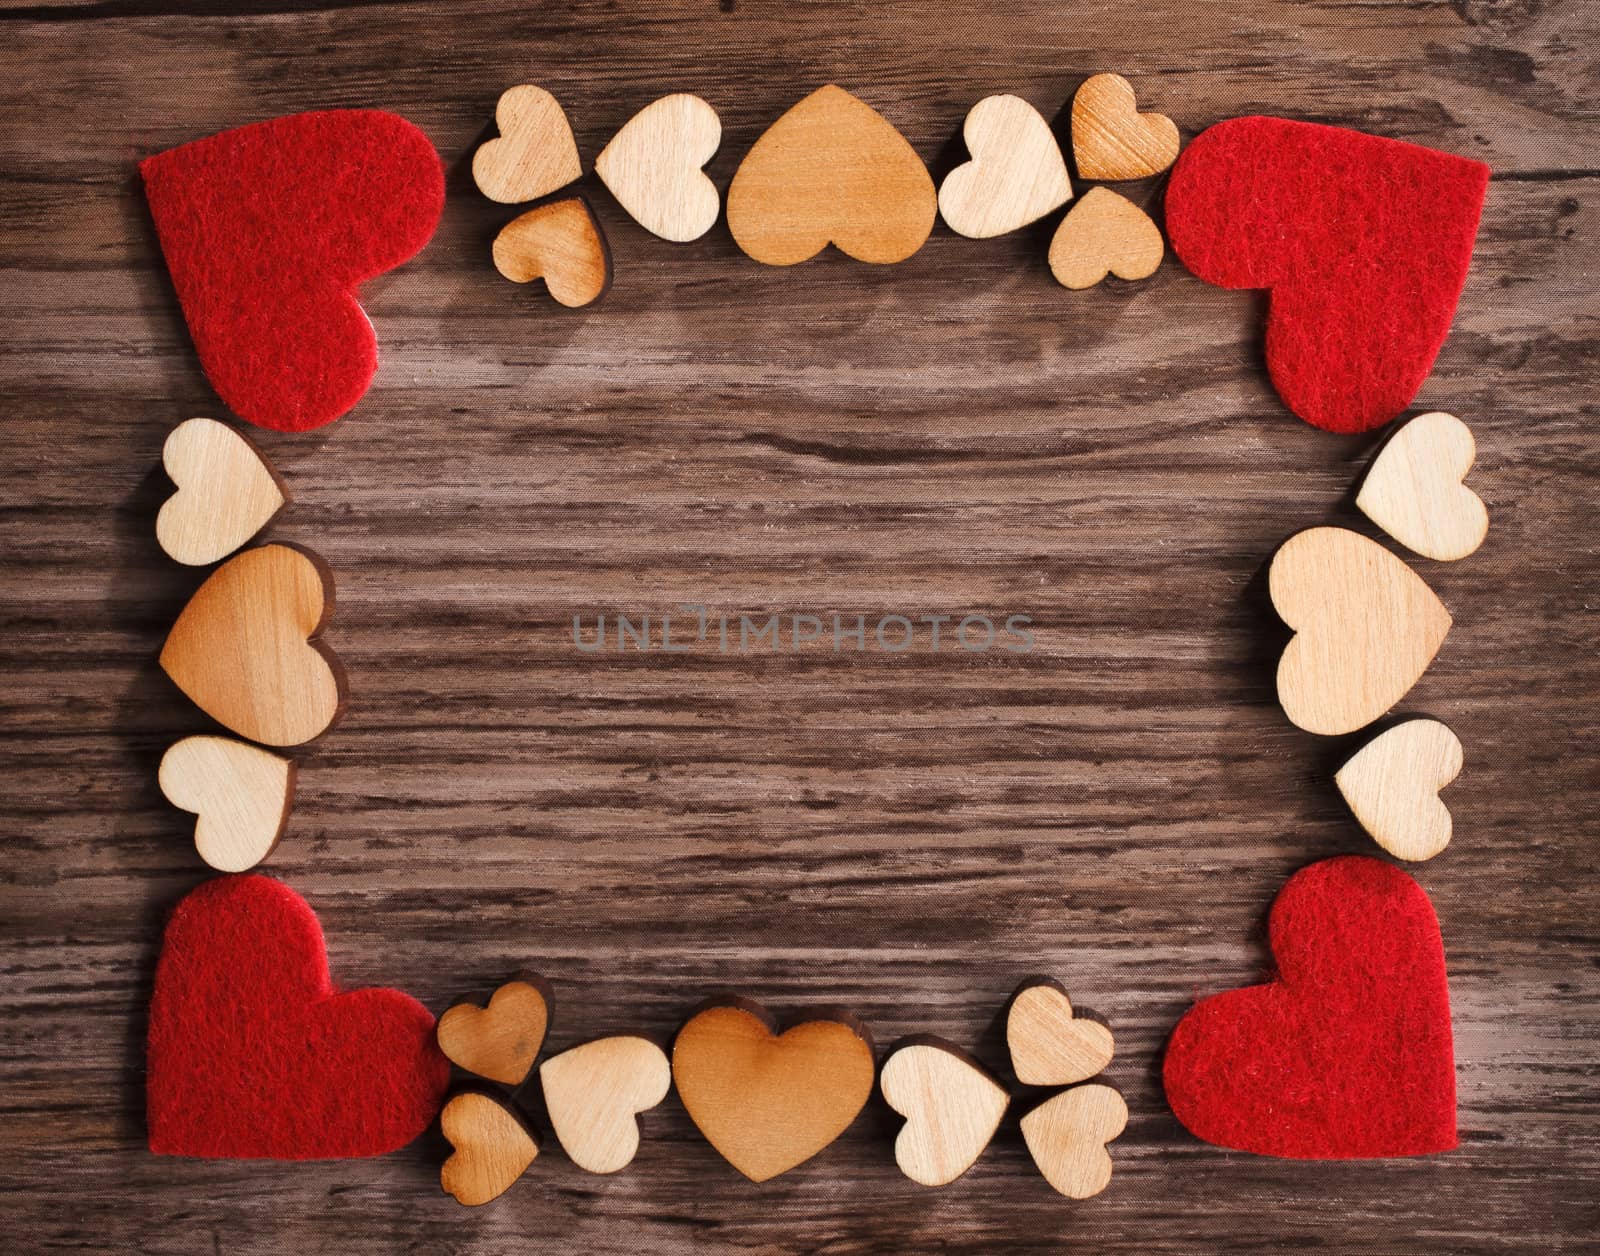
(910, 835)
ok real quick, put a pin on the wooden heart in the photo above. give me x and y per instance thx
(1366, 629)
(1049, 1046)
(500, 1041)
(1067, 1138)
(492, 1148)
(241, 794)
(535, 154)
(1016, 176)
(653, 167)
(1112, 139)
(560, 243)
(1393, 782)
(1414, 489)
(594, 1094)
(227, 492)
(951, 1105)
(245, 650)
(767, 1101)
(1104, 233)
(831, 171)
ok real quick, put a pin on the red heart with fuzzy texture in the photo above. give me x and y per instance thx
(268, 229)
(1364, 243)
(253, 1053)
(1348, 1054)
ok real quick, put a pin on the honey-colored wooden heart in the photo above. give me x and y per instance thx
(1414, 489)
(227, 492)
(1104, 233)
(245, 648)
(1049, 1046)
(535, 154)
(1067, 1138)
(492, 1148)
(1016, 176)
(831, 171)
(594, 1094)
(1110, 137)
(560, 243)
(1366, 629)
(1393, 782)
(951, 1105)
(653, 167)
(240, 793)
(766, 1101)
(500, 1041)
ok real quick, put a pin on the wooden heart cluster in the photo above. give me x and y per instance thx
(246, 649)
(832, 170)
(953, 1106)
(769, 1100)
(1367, 627)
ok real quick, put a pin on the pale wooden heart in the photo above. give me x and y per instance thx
(594, 1094)
(653, 167)
(1393, 782)
(1366, 629)
(1414, 489)
(500, 1041)
(832, 170)
(227, 492)
(1104, 233)
(1017, 174)
(952, 1109)
(492, 1148)
(767, 1101)
(240, 793)
(1110, 137)
(560, 243)
(1067, 1138)
(1049, 1046)
(245, 651)
(535, 154)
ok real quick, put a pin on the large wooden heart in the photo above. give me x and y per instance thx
(768, 1101)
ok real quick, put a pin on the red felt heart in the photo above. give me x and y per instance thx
(1348, 1053)
(254, 1054)
(268, 229)
(1364, 242)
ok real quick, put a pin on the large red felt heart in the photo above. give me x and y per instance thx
(1348, 1054)
(268, 229)
(254, 1054)
(1364, 242)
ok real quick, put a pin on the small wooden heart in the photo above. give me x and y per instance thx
(1366, 629)
(1016, 176)
(245, 648)
(653, 167)
(240, 793)
(535, 154)
(500, 1041)
(1393, 782)
(1112, 139)
(492, 1148)
(767, 1101)
(951, 1105)
(832, 170)
(1103, 234)
(1067, 1138)
(227, 492)
(560, 243)
(594, 1094)
(1049, 1046)
(1414, 489)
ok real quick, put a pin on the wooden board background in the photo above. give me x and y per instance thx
(909, 835)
